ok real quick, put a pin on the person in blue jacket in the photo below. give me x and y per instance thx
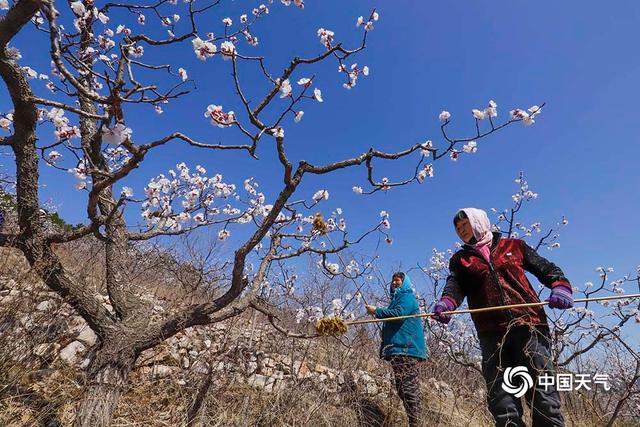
(403, 343)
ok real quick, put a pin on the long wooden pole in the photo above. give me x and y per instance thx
(486, 309)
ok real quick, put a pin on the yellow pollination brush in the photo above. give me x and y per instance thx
(336, 326)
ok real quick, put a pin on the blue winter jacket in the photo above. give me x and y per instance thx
(402, 337)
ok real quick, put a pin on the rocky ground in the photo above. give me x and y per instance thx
(242, 361)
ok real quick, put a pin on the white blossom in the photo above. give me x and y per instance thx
(13, 53)
(479, 115)
(5, 123)
(320, 194)
(278, 132)
(492, 109)
(285, 89)
(54, 156)
(228, 50)
(317, 94)
(444, 116)
(219, 117)
(136, 51)
(78, 8)
(103, 18)
(333, 268)
(121, 29)
(337, 306)
(425, 172)
(203, 49)
(326, 37)
(470, 147)
(357, 189)
(126, 192)
(116, 135)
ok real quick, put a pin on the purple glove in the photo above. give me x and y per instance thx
(445, 304)
(561, 296)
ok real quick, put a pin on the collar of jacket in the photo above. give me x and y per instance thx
(497, 236)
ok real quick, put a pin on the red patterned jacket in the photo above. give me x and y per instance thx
(501, 282)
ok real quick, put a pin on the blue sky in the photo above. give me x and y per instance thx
(425, 57)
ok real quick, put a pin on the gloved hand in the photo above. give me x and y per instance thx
(561, 296)
(445, 304)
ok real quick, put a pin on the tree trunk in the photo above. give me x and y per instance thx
(103, 390)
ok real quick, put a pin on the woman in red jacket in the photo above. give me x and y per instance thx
(490, 271)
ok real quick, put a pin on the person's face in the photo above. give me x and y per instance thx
(464, 230)
(396, 282)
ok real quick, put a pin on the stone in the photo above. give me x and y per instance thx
(162, 371)
(251, 367)
(200, 367)
(70, 353)
(44, 350)
(320, 369)
(371, 388)
(257, 380)
(87, 336)
(301, 370)
(45, 305)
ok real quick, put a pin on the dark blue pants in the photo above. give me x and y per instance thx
(520, 346)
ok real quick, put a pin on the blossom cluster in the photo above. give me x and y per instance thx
(219, 117)
(63, 131)
(352, 74)
(368, 25)
(528, 116)
(197, 195)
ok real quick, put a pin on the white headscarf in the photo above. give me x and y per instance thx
(480, 225)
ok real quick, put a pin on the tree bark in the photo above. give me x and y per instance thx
(107, 379)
